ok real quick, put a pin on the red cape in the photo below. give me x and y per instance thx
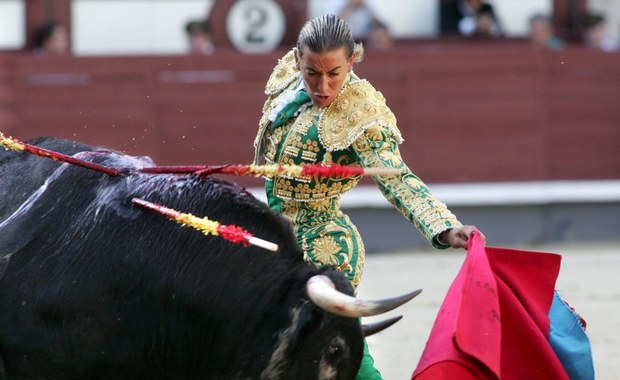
(494, 320)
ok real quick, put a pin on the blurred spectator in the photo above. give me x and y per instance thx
(379, 36)
(542, 33)
(51, 38)
(359, 15)
(595, 33)
(199, 37)
(470, 18)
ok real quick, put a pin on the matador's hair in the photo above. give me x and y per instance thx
(328, 32)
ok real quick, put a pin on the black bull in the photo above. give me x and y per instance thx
(93, 287)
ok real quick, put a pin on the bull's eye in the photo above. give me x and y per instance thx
(336, 352)
(333, 352)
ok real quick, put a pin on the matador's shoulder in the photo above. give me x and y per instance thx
(283, 74)
(358, 107)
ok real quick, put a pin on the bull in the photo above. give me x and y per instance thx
(92, 286)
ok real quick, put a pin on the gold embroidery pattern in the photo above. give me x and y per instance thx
(327, 236)
(264, 130)
(406, 192)
(300, 145)
(326, 251)
(297, 147)
(311, 213)
(271, 141)
(358, 107)
(283, 74)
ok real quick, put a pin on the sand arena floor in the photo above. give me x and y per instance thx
(589, 281)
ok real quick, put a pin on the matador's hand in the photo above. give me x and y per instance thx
(458, 237)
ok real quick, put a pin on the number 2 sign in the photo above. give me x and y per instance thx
(255, 26)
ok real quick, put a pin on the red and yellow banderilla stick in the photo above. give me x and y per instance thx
(273, 170)
(294, 171)
(13, 144)
(232, 233)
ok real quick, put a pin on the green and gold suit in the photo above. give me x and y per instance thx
(357, 129)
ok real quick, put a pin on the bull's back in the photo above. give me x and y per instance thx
(21, 173)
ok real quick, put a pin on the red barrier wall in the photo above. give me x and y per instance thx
(467, 112)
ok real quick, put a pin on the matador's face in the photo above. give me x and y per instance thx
(324, 74)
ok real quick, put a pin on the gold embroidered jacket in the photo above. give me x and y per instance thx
(357, 129)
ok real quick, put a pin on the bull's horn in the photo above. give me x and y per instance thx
(373, 328)
(322, 291)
